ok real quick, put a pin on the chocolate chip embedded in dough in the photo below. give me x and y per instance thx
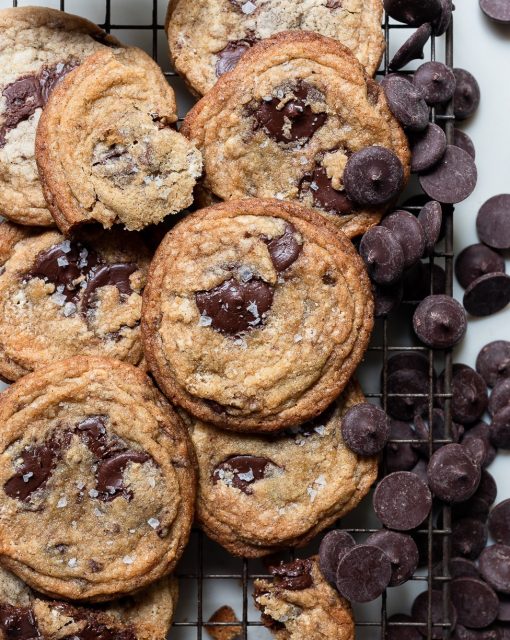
(285, 249)
(230, 55)
(114, 275)
(294, 576)
(242, 471)
(18, 623)
(110, 474)
(324, 196)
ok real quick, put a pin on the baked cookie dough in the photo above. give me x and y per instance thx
(146, 615)
(285, 122)
(207, 37)
(69, 297)
(107, 148)
(258, 495)
(97, 480)
(255, 314)
(38, 46)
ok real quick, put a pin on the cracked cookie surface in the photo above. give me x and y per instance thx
(107, 149)
(38, 46)
(256, 314)
(69, 297)
(97, 480)
(284, 123)
(207, 37)
(261, 494)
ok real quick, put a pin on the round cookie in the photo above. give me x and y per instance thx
(258, 495)
(106, 146)
(146, 615)
(207, 37)
(97, 478)
(255, 315)
(38, 46)
(285, 123)
(69, 297)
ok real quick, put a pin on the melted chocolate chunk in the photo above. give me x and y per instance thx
(242, 471)
(295, 120)
(229, 56)
(334, 4)
(285, 249)
(314, 426)
(92, 431)
(110, 481)
(294, 576)
(234, 307)
(18, 623)
(324, 196)
(115, 275)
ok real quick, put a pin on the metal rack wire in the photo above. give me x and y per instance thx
(381, 348)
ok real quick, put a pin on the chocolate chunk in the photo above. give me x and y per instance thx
(333, 546)
(427, 148)
(93, 432)
(397, 629)
(481, 430)
(400, 456)
(408, 391)
(453, 179)
(242, 471)
(475, 261)
(500, 396)
(411, 12)
(499, 522)
(493, 362)
(431, 220)
(494, 566)
(383, 255)
(415, 360)
(230, 55)
(113, 275)
(234, 307)
(420, 612)
(324, 195)
(440, 322)
(469, 537)
(406, 102)
(442, 22)
(412, 47)
(465, 592)
(500, 428)
(363, 573)
(293, 120)
(95, 630)
(18, 623)
(467, 94)
(285, 249)
(387, 298)
(470, 398)
(453, 475)
(365, 429)
(402, 551)
(487, 294)
(294, 576)
(424, 280)
(462, 140)
(436, 82)
(402, 501)
(110, 471)
(493, 222)
(373, 176)
(409, 233)
(497, 10)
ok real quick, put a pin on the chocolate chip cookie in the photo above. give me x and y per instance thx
(38, 46)
(207, 38)
(97, 478)
(299, 604)
(258, 495)
(255, 314)
(69, 297)
(107, 148)
(146, 615)
(296, 115)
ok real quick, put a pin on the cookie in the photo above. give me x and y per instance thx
(69, 297)
(255, 314)
(146, 615)
(97, 478)
(259, 495)
(38, 46)
(207, 38)
(299, 604)
(287, 121)
(107, 149)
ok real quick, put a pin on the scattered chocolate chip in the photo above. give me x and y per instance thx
(431, 220)
(402, 551)
(470, 397)
(469, 537)
(406, 102)
(373, 176)
(487, 489)
(481, 430)
(112, 275)
(500, 428)
(400, 456)
(387, 298)
(497, 10)
(499, 522)
(333, 546)
(242, 471)
(504, 608)
(285, 249)
(424, 280)
(436, 82)
(18, 623)
(465, 592)
(365, 429)
(397, 629)
(463, 568)
(487, 294)
(402, 501)
(363, 573)
(420, 612)
(493, 222)
(294, 576)
(475, 261)
(463, 633)
(453, 179)
(383, 255)
(427, 148)
(494, 566)
(493, 362)
(230, 55)
(420, 470)
(453, 475)
(500, 396)
(412, 47)
(408, 391)
(477, 449)
(467, 94)
(324, 195)
(413, 13)
(422, 429)
(442, 22)
(415, 360)
(462, 140)
(409, 233)
(440, 322)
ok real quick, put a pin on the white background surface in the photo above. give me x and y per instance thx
(479, 46)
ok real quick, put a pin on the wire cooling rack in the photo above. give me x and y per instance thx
(209, 576)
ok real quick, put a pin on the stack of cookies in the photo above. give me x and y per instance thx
(206, 378)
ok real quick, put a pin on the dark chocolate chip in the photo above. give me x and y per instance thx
(477, 449)
(481, 430)
(497, 10)
(500, 396)
(402, 551)
(420, 470)
(407, 383)
(409, 233)
(294, 576)
(406, 102)
(440, 322)
(420, 612)
(230, 55)
(234, 307)
(285, 249)
(112, 275)
(110, 474)
(413, 13)
(463, 568)
(333, 546)
(487, 489)
(436, 82)
(453, 475)
(400, 456)
(465, 592)
(424, 280)
(415, 360)
(363, 573)
(493, 362)
(365, 429)
(453, 179)
(373, 176)
(442, 22)
(18, 623)
(383, 255)
(92, 431)
(412, 47)
(402, 501)
(243, 471)
(490, 633)
(494, 566)
(499, 522)
(467, 94)
(504, 608)
(396, 629)
(387, 298)
(475, 261)
(462, 140)
(470, 398)
(431, 220)
(500, 428)
(493, 222)
(324, 195)
(421, 426)
(469, 537)
(427, 148)
(487, 294)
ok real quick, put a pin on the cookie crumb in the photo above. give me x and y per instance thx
(224, 614)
